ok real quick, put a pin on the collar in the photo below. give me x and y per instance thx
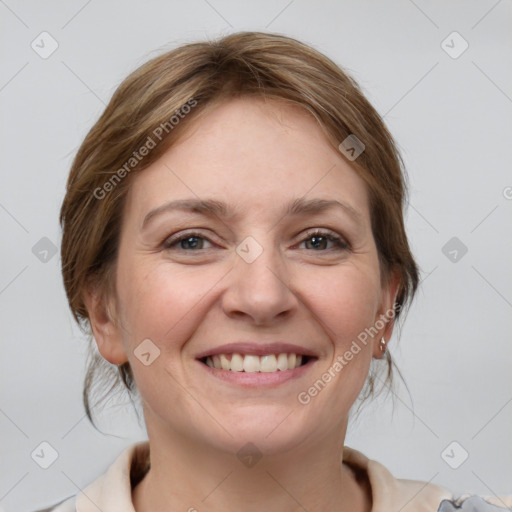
(112, 491)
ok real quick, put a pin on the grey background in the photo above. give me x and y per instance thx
(452, 119)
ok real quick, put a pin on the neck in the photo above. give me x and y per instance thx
(186, 475)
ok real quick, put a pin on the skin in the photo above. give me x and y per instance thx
(256, 157)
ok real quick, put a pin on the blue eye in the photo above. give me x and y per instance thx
(317, 243)
(322, 242)
(192, 242)
(188, 243)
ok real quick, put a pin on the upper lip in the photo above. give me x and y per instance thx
(258, 349)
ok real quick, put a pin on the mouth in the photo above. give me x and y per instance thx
(257, 364)
(253, 363)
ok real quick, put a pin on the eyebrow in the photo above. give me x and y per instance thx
(301, 206)
(212, 208)
(209, 208)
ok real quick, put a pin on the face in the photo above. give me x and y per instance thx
(248, 265)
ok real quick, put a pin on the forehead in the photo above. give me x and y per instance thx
(250, 152)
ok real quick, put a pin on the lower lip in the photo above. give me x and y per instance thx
(258, 379)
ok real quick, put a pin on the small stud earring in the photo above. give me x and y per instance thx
(382, 345)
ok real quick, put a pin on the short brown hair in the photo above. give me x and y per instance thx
(152, 101)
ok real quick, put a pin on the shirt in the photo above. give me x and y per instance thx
(112, 491)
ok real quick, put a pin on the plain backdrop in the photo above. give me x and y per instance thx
(448, 106)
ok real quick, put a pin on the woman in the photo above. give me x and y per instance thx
(233, 235)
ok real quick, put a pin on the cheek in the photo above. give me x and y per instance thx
(160, 303)
(345, 300)
(345, 303)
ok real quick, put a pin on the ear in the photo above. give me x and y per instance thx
(105, 328)
(385, 319)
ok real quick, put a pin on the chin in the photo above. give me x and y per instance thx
(268, 430)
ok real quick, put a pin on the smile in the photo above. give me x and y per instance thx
(252, 363)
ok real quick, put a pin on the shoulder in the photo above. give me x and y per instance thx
(65, 506)
(112, 490)
(390, 493)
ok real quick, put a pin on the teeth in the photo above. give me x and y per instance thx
(237, 363)
(251, 363)
(268, 364)
(282, 362)
(224, 361)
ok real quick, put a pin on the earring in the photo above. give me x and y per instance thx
(382, 345)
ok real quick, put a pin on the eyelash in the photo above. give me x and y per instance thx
(341, 243)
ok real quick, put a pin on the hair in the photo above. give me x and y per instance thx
(168, 93)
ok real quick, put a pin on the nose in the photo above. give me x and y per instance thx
(259, 292)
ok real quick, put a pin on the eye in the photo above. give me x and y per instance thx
(323, 241)
(188, 242)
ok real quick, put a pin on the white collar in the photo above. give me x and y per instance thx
(112, 491)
